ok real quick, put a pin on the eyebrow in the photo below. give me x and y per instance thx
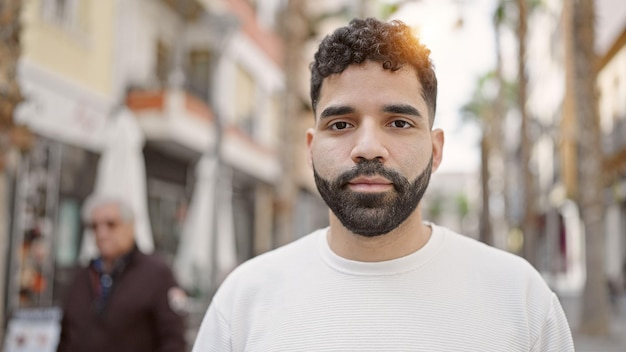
(336, 111)
(403, 109)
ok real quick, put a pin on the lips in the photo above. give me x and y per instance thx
(370, 184)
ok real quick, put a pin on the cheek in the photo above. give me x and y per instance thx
(413, 159)
(320, 165)
(128, 237)
(328, 159)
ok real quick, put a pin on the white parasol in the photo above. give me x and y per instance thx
(197, 261)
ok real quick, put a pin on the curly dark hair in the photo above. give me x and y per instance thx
(392, 44)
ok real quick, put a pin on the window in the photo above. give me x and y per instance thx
(167, 209)
(199, 73)
(72, 15)
(246, 95)
(276, 113)
(168, 194)
(162, 63)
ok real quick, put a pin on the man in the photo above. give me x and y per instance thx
(124, 300)
(379, 278)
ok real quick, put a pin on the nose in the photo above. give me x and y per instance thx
(369, 143)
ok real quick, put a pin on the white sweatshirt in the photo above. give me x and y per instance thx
(454, 294)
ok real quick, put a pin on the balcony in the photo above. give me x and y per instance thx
(184, 126)
(179, 122)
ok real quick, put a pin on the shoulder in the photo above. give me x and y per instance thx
(263, 280)
(467, 248)
(272, 268)
(153, 260)
(490, 264)
(280, 258)
(497, 278)
(495, 269)
(151, 266)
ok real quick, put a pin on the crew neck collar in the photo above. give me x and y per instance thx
(388, 267)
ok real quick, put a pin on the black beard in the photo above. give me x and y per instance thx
(373, 214)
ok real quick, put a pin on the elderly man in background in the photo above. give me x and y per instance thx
(124, 300)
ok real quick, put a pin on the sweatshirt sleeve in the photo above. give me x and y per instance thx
(555, 333)
(214, 332)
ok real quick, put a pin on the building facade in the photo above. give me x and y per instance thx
(612, 89)
(174, 105)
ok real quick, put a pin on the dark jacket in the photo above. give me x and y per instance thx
(136, 317)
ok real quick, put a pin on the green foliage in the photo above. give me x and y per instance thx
(435, 206)
(387, 10)
(506, 12)
(480, 107)
(462, 205)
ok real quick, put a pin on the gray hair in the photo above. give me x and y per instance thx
(95, 201)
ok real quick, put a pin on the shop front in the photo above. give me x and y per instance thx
(48, 186)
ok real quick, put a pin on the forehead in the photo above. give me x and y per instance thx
(109, 211)
(372, 83)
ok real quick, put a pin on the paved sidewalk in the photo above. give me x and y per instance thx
(615, 342)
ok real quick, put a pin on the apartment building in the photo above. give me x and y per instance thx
(611, 47)
(175, 105)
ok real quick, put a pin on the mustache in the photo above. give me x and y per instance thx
(370, 168)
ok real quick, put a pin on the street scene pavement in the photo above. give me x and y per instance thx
(614, 342)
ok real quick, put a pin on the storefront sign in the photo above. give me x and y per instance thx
(34, 330)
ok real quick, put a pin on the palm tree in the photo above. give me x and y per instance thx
(10, 94)
(488, 110)
(504, 15)
(581, 84)
(529, 226)
(11, 135)
(481, 109)
(502, 101)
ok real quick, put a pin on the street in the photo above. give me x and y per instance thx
(615, 342)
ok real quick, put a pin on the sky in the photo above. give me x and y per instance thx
(610, 18)
(460, 36)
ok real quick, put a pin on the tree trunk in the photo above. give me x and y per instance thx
(295, 34)
(529, 225)
(500, 107)
(486, 229)
(10, 96)
(595, 306)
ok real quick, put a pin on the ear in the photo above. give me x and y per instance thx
(310, 134)
(437, 139)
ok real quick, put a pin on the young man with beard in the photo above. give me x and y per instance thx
(380, 278)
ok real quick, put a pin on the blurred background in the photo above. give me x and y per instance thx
(196, 112)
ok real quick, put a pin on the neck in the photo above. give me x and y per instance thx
(407, 238)
(108, 263)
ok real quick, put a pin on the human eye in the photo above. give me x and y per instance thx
(339, 125)
(400, 124)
